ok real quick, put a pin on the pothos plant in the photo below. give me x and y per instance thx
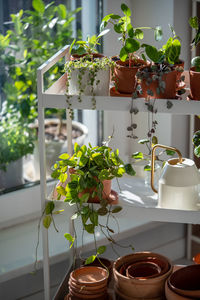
(129, 35)
(91, 166)
(196, 143)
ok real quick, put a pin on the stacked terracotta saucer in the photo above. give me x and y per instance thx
(88, 283)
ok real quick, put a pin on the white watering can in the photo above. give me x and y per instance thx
(178, 186)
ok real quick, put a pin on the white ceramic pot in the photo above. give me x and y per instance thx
(13, 175)
(101, 89)
(179, 185)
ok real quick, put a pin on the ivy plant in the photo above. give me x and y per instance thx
(129, 35)
(91, 166)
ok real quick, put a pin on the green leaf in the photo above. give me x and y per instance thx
(62, 11)
(103, 33)
(154, 140)
(47, 221)
(63, 177)
(123, 54)
(101, 250)
(114, 17)
(129, 170)
(197, 151)
(118, 27)
(84, 198)
(94, 218)
(170, 152)
(153, 53)
(102, 211)
(90, 259)
(116, 209)
(89, 228)
(138, 155)
(61, 190)
(70, 238)
(131, 45)
(64, 156)
(193, 21)
(139, 34)
(126, 10)
(147, 168)
(49, 207)
(130, 30)
(39, 6)
(143, 141)
(158, 34)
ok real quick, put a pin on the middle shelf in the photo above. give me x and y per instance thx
(138, 199)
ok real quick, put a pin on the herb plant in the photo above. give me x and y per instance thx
(91, 166)
(194, 23)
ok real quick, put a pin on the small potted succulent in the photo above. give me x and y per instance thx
(91, 170)
(195, 69)
(88, 71)
(128, 62)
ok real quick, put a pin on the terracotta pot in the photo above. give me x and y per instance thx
(124, 76)
(194, 84)
(136, 287)
(105, 263)
(196, 258)
(143, 269)
(90, 276)
(98, 296)
(186, 281)
(171, 295)
(170, 86)
(121, 296)
(89, 290)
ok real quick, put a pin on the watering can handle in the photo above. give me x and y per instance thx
(153, 161)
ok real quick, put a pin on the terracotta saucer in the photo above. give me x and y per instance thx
(90, 275)
(115, 93)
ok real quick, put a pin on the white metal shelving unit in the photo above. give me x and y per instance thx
(54, 97)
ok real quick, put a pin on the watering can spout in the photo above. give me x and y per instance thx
(153, 161)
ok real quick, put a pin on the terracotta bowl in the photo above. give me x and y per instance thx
(122, 296)
(196, 258)
(143, 269)
(89, 289)
(140, 287)
(171, 295)
(82, 289)
(99, 296)
(90, 276)
(103, 263)
(186, 281)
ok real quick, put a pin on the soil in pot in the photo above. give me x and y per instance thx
(125, 75)
(169, 87)
(194, 84)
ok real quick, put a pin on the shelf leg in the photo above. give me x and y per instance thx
(189, 241)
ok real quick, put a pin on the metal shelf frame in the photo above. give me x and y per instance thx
(55, 97)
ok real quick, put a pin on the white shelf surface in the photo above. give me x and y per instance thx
(55, 97)
(139, 200)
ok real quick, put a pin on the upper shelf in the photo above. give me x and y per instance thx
(55, 97)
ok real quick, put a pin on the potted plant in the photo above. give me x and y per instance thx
(91, 169)
(88, 72)
(129, 62)
(16, 142)
(194, 71)
(159, 79)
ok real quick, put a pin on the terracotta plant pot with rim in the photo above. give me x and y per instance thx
(136, 287)
(143, 269)
(194, 84)
(186, 281)
(170, 80)
(124, 75)
(106, 264)
(107, 194)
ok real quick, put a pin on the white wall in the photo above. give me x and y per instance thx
(172, 130)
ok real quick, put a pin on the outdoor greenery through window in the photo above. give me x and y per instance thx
(30, 34)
